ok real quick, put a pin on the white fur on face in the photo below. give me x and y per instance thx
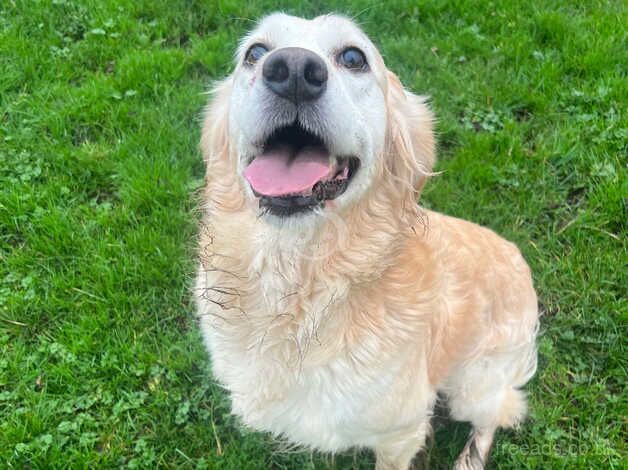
(350, 116)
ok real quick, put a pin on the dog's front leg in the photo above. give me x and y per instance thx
(397, 453)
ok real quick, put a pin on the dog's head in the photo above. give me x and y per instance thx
(312, 121)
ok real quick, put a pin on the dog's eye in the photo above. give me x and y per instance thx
(255, 53)
(353, 59)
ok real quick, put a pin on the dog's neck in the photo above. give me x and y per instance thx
(276, 284)
(357, 244)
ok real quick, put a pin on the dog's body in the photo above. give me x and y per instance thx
(337, 325)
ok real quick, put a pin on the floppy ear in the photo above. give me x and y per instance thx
(222, 184)
(411, 152)
(215, 133)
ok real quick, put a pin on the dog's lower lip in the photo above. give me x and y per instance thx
(285, 206)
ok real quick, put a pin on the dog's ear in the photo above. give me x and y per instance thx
(215, 133)
(223, 185)
(411, 152)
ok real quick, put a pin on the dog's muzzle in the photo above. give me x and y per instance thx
(295, 170)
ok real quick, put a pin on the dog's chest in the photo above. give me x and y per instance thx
(323, 406)
(289, 372)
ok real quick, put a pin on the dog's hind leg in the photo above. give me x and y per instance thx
(503, 408)
(486, 393)
(476, 451)
(509, 409)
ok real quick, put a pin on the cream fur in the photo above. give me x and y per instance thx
(337, 329)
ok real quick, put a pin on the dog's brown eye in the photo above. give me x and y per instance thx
(255, 53)
(353, 59)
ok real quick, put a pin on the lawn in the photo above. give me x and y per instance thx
(101, 362)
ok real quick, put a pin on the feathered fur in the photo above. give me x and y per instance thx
(339, 329)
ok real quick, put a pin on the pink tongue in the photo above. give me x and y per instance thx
(278, 173)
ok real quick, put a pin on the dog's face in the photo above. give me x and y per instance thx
(314, 117)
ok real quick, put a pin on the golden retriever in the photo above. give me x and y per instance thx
(334, 307)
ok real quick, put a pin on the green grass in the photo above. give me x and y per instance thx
(101, 363)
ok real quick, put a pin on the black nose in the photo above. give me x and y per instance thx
(295, 73)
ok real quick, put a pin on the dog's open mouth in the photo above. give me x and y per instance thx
(295, 172)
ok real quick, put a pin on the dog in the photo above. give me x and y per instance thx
(336, 309)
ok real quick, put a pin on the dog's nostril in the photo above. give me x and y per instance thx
(277, 71)
(315, 73)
